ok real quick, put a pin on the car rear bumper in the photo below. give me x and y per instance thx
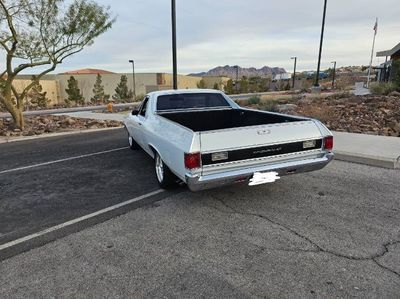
(197, 183)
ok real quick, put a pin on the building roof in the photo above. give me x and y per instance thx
(389, 52)
(88, 72)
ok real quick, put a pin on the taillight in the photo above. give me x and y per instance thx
(328, 143)
(192, 160)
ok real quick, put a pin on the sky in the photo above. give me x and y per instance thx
(250, 33)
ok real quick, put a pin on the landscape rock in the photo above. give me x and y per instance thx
(37, 125)
(370, 114)
(286, 108)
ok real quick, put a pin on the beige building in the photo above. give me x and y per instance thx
(55, 85)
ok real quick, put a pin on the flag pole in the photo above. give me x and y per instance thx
(372, 53)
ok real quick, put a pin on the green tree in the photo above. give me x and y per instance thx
(254, 84)
(73, 91)
(36, 96)
(201, 84)
(244, 85)
(264, 85)
(121, 92)
(98, 91)
(229, 87)
(216, 87)
(43, 33)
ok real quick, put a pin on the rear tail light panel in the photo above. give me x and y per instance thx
(328, 143)
(192, 160)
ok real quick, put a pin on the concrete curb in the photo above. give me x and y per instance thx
(368, 160)
(70, 110)
(49, 135)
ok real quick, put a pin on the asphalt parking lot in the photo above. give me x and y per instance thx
(327, 234)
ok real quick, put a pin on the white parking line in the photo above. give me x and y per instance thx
(62, 160)
(77, 220)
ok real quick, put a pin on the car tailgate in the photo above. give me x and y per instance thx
(245, 137)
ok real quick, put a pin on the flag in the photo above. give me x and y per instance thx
(376, 26)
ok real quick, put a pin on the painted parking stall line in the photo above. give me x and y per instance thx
(62, 160)
(78, 220)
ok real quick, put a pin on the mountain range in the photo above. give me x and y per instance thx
(230, 71)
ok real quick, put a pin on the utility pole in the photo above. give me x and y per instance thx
(294, 72)
(320, 45)
(133, 78)
(372, 53)
(333, 74)
(174, 58)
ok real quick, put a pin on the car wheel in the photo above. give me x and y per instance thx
(165, 178)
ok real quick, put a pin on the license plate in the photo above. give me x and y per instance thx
(309, 144)
(219, 156)
(263, 178)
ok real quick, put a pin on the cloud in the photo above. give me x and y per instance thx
(248, 33)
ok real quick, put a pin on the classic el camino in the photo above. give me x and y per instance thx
(206, 140)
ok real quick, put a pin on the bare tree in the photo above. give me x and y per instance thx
(42, 34)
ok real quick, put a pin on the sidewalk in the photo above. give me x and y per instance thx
(373, 150)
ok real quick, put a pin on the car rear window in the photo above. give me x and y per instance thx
(191, 100)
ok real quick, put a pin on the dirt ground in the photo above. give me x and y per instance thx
(375, 115)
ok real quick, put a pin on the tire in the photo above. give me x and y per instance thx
(166, 179)
(132, 143)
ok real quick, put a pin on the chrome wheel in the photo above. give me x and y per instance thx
(159, 169)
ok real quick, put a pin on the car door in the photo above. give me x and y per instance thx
(136, 130)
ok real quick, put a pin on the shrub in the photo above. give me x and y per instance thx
(382, 88)
(271, 106)
(254, 101)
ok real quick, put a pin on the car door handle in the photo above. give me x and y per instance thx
(139, 124)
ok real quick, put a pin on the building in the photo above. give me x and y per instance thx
(385, 70)
(55, 85)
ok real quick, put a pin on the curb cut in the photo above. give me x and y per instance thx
(4, 140)
(368, 160)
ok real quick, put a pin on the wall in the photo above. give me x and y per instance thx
(109, 81)
(184, 82)
(55, 85)
(49, 86)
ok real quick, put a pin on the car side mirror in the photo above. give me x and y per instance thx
(135, 112)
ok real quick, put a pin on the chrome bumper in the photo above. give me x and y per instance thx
(197, 183)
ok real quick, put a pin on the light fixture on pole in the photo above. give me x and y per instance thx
(133, 78)
(333, 74)
(320, 45)
(294, 71)
(174, 56)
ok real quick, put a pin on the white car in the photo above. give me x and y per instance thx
(206, 140)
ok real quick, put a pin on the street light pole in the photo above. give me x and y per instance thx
(320, 45)
(133, 78)
(294, 72)
(334, 74)
(174, 56)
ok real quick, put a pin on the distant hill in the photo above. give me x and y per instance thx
(230, 71)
